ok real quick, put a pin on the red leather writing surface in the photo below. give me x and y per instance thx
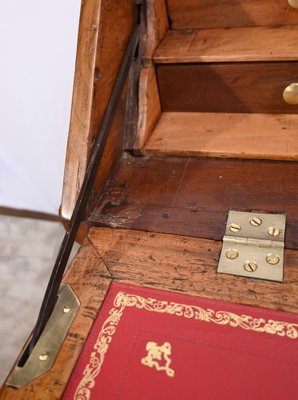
(148, 344)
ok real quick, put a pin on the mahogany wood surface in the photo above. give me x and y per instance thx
(222, 45)
(262, 136)
(227, 87)
(168, 262)
(192, 196)
(83, 276)
(230, 13)
(99, 55)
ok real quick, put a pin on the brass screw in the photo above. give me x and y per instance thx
(255, 221)
(66, 309)
(273, 231)
(272, 259)
(231, 254)
(250, 266)
(43, 357)
(234, 227)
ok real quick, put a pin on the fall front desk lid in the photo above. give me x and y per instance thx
(148, 344)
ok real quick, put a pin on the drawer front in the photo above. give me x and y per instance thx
(230, 13)
(227, 87)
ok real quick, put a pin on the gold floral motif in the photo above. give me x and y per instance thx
(157, 354)
(124, 300)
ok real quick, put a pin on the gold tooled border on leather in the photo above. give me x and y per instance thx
(124, 300)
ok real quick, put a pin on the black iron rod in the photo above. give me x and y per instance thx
(50, 296)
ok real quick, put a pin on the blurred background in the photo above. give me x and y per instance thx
(38, 42)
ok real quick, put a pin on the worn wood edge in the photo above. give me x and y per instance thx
(149, 102)
(228, 45)
(95, 74)
(149, 106)
(188, 265)
(77, 145)
(225, 135)
(157, 25)
(191, 196)
(90, 280)
(199, 14)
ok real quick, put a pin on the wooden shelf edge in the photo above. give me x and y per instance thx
(225, 135)
(228, 45)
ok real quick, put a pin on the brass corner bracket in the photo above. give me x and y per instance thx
(253, 245)
(45, 351)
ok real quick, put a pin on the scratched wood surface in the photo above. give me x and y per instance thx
(157, 26)
(223, 45)
(99, 55)
(149, 106)
(162, 261)
(192, 196)
(188, 265)
(148, 97)
(83, 276)
(227, 87)
(230, 13)
(262, 136)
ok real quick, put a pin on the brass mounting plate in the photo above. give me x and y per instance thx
(253, 245)
(45, 351)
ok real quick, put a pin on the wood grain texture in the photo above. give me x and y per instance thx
(148, 97)
(222, 45)
(149, 106)
(230, 13)
(192, 196)
(90, 280)
(262, 136)
(157, 26)
(167, 262)
(105, 27)
(227, 87)
(188, 265)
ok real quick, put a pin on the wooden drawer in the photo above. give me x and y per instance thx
(227, 87)
(230, 13)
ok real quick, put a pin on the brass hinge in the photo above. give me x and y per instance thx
(44, 353)
(253, 245)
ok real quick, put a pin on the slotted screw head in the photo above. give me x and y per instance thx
(231, 254)
(255, 221)
(234, 227)
(272, 259)
(273, 231)
(250, 266)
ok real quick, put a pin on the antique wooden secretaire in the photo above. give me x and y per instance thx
(181, 185)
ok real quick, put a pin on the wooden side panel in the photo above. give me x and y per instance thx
(189, 196)
(149, 104)
(157, 25)
(105, 27)
(235, 87)
(223, 45)
(83, 276)
(263, 136)
(230, 13)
